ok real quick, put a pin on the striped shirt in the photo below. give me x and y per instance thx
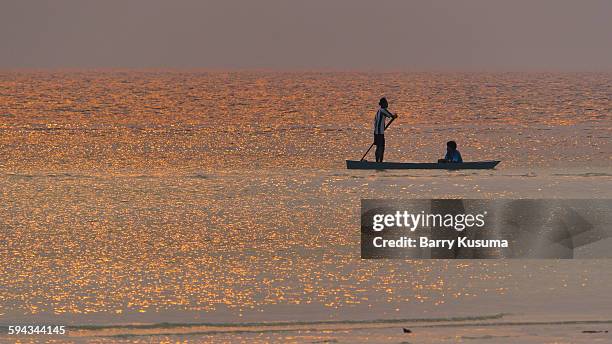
(379, 120)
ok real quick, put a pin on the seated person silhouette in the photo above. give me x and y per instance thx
(452, 154)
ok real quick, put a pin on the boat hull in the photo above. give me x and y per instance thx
(369, 165)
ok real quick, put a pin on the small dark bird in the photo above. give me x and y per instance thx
(406, 330)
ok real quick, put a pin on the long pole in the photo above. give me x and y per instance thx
(368, 151)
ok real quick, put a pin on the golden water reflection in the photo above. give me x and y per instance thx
(130, 192)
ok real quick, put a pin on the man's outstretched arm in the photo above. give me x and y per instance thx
(388, 113)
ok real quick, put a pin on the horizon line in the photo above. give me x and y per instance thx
(107, 69)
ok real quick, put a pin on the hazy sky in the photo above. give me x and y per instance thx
(308, 34)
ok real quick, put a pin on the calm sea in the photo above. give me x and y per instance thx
(220, 202)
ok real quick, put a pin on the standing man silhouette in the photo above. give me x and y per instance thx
(379, 128)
